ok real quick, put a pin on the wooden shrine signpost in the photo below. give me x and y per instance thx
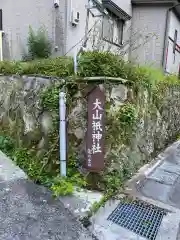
(95, 131)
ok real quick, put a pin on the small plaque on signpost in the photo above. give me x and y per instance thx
(95, 131)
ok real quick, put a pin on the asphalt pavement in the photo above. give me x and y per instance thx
(29, 212)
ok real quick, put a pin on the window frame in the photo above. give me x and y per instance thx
(120, 25)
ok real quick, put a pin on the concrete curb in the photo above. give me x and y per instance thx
(8, 169)
(147, 169)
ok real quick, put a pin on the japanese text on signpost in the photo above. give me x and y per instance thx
(95, 136)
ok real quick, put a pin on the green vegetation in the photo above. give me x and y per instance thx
(120, 126)
(35, 168)
(38, 44)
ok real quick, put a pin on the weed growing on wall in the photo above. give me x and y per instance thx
(34, 167)
(6, 144)
(38, 44)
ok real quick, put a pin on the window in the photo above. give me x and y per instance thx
(113, 29)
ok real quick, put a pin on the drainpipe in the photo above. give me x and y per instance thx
(75, 62)
(166, 35)
(62, 132)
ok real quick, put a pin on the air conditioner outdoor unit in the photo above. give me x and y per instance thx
(75, 17)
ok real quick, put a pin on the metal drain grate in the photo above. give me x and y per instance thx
(139, 218)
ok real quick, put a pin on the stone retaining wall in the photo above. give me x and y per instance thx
(20, 105)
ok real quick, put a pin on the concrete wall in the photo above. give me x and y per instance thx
(173, 60)
(76, 33)
(148, 32)
(18, 16)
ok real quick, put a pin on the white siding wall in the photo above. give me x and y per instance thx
(173, 62)
(148, 31)
(75, 34)
(17, 18)
(18, 15)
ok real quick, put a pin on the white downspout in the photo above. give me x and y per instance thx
(62, 132)
(75, 62)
